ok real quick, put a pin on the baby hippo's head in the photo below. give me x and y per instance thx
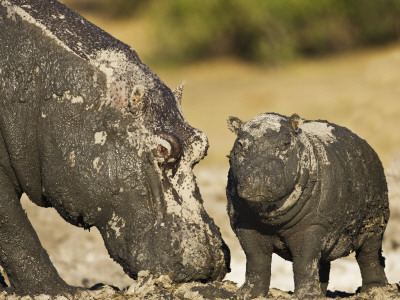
(265, 157)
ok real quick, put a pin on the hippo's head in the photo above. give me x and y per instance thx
(265, 157)
(157, 220)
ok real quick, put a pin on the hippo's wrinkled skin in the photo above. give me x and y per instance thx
(309, 191)
(87, 128)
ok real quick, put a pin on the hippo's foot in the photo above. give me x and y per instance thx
(6, 289)
(251, 291)
(71, 291)
(372, 263)
(308, 292)
(367, 287)
(67, 291)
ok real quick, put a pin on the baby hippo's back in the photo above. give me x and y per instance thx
(351, 199)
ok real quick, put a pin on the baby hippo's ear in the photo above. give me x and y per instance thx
(295, 122)
(235, 124)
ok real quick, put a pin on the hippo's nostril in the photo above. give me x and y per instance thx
(174, 152)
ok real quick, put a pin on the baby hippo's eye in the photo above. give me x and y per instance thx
(284, 146)
(242, 147)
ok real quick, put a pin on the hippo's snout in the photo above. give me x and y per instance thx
(261, 181)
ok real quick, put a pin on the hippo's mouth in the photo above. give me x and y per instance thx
(274, 198)
(276, 203)
(276, 206)
(282, 206)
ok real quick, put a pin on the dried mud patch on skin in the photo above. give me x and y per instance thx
(152, 287)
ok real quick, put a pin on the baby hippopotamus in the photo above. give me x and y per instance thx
(309, 191)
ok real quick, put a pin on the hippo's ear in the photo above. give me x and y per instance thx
(178, 91)
(295, 122)
(235, 124)
(135, 103)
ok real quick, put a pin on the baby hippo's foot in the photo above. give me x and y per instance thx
(368, 287)
(308, 292)
(251, 290)
(72, 291)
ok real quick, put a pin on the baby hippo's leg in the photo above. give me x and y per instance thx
(258, 264)
(372, 263)
(306, 249)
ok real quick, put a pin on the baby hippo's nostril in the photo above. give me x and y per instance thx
(173, 152)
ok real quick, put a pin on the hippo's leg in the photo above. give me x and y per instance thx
(324, 270)
(3, 285)
(258, 265)
(306, 249)
(2, 282)
(25, 262)
(372, 263)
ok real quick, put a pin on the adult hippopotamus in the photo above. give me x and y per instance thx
(310, 191)
(87, 128)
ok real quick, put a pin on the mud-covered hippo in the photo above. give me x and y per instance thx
(87, 128)
(310, 191)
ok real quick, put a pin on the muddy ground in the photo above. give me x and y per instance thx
(154, 288)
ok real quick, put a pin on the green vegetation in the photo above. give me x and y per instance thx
(266, 31)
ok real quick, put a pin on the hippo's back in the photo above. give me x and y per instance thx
(353, 185)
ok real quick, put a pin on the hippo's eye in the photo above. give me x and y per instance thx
(242, 145)
(163, 151)
(284, 146)
(169, 149)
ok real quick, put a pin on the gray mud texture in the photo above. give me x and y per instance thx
(151, 287)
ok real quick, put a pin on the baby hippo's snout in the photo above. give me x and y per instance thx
(261, 180)
(169, 147)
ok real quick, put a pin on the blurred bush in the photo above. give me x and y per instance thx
(266, 31)
(270, 31)
(192, 30)
(108, 8)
